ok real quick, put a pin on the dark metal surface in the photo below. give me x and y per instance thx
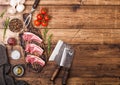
(69, 58)
(59, 56)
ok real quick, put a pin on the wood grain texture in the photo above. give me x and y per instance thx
(94, 61)
(78, 36)
(92, 64)
(93, 30)
(69, 2)
(76, 81)
(85, 17)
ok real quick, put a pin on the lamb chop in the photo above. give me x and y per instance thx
(28, 36)
(34, 59)
(28, 42)
(34, 49)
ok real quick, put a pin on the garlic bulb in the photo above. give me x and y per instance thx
(11, 10)
(13, 3)
(20, 7)
(21, 1)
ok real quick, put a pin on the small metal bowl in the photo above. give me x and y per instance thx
(18, 70)
(15, 25)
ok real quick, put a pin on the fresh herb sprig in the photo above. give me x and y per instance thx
(6, 23)
(2, 14)
(49, 43)
(47, 40)
(45, 33)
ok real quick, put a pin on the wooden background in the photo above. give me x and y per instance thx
(92, 27)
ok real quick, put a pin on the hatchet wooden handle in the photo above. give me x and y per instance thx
(55, 73)
(65, 77)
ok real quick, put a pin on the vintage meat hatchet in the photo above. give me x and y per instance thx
(56, 56)
(63, 56)
(66, 62)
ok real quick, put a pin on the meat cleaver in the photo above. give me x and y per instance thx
(66, 62)
(56, 56)
(63, 56)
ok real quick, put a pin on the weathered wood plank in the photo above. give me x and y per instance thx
(86, 36)
(97, 22)
(91, 61)
(101, 2)
(78, 36)
(69, 2)
(94, 61)
(74, 81)
(97, 17)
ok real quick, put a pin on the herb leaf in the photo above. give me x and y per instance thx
(49, 43)
(47, 40)
(2, 14)
(45, 33)
(6, 23)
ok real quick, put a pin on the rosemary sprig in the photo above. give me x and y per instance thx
(47, 40)
(2, 14)
(49, 43)
(45, 33)
(6, 23)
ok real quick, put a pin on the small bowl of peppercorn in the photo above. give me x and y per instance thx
(15, 25)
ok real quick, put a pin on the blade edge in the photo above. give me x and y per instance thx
(56, 50)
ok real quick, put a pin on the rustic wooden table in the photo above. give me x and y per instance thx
(92, 28)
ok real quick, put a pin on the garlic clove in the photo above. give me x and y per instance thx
(20, 7)
(11, 10)
(21, 1)
(13, 3)
(18, 1)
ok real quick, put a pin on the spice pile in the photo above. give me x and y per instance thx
(15, 25)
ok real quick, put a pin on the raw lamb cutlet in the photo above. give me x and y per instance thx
(33, 48)
(28, 36)
(35, 59)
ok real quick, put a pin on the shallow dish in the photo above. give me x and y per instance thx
(18, 70)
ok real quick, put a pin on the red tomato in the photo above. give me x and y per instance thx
(44, 23)
(39, 16)
(37, 22)
(43, 11)
(47, 17)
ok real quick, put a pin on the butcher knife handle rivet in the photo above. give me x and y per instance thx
(55, 73)
(65, 77)
(36, 4)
